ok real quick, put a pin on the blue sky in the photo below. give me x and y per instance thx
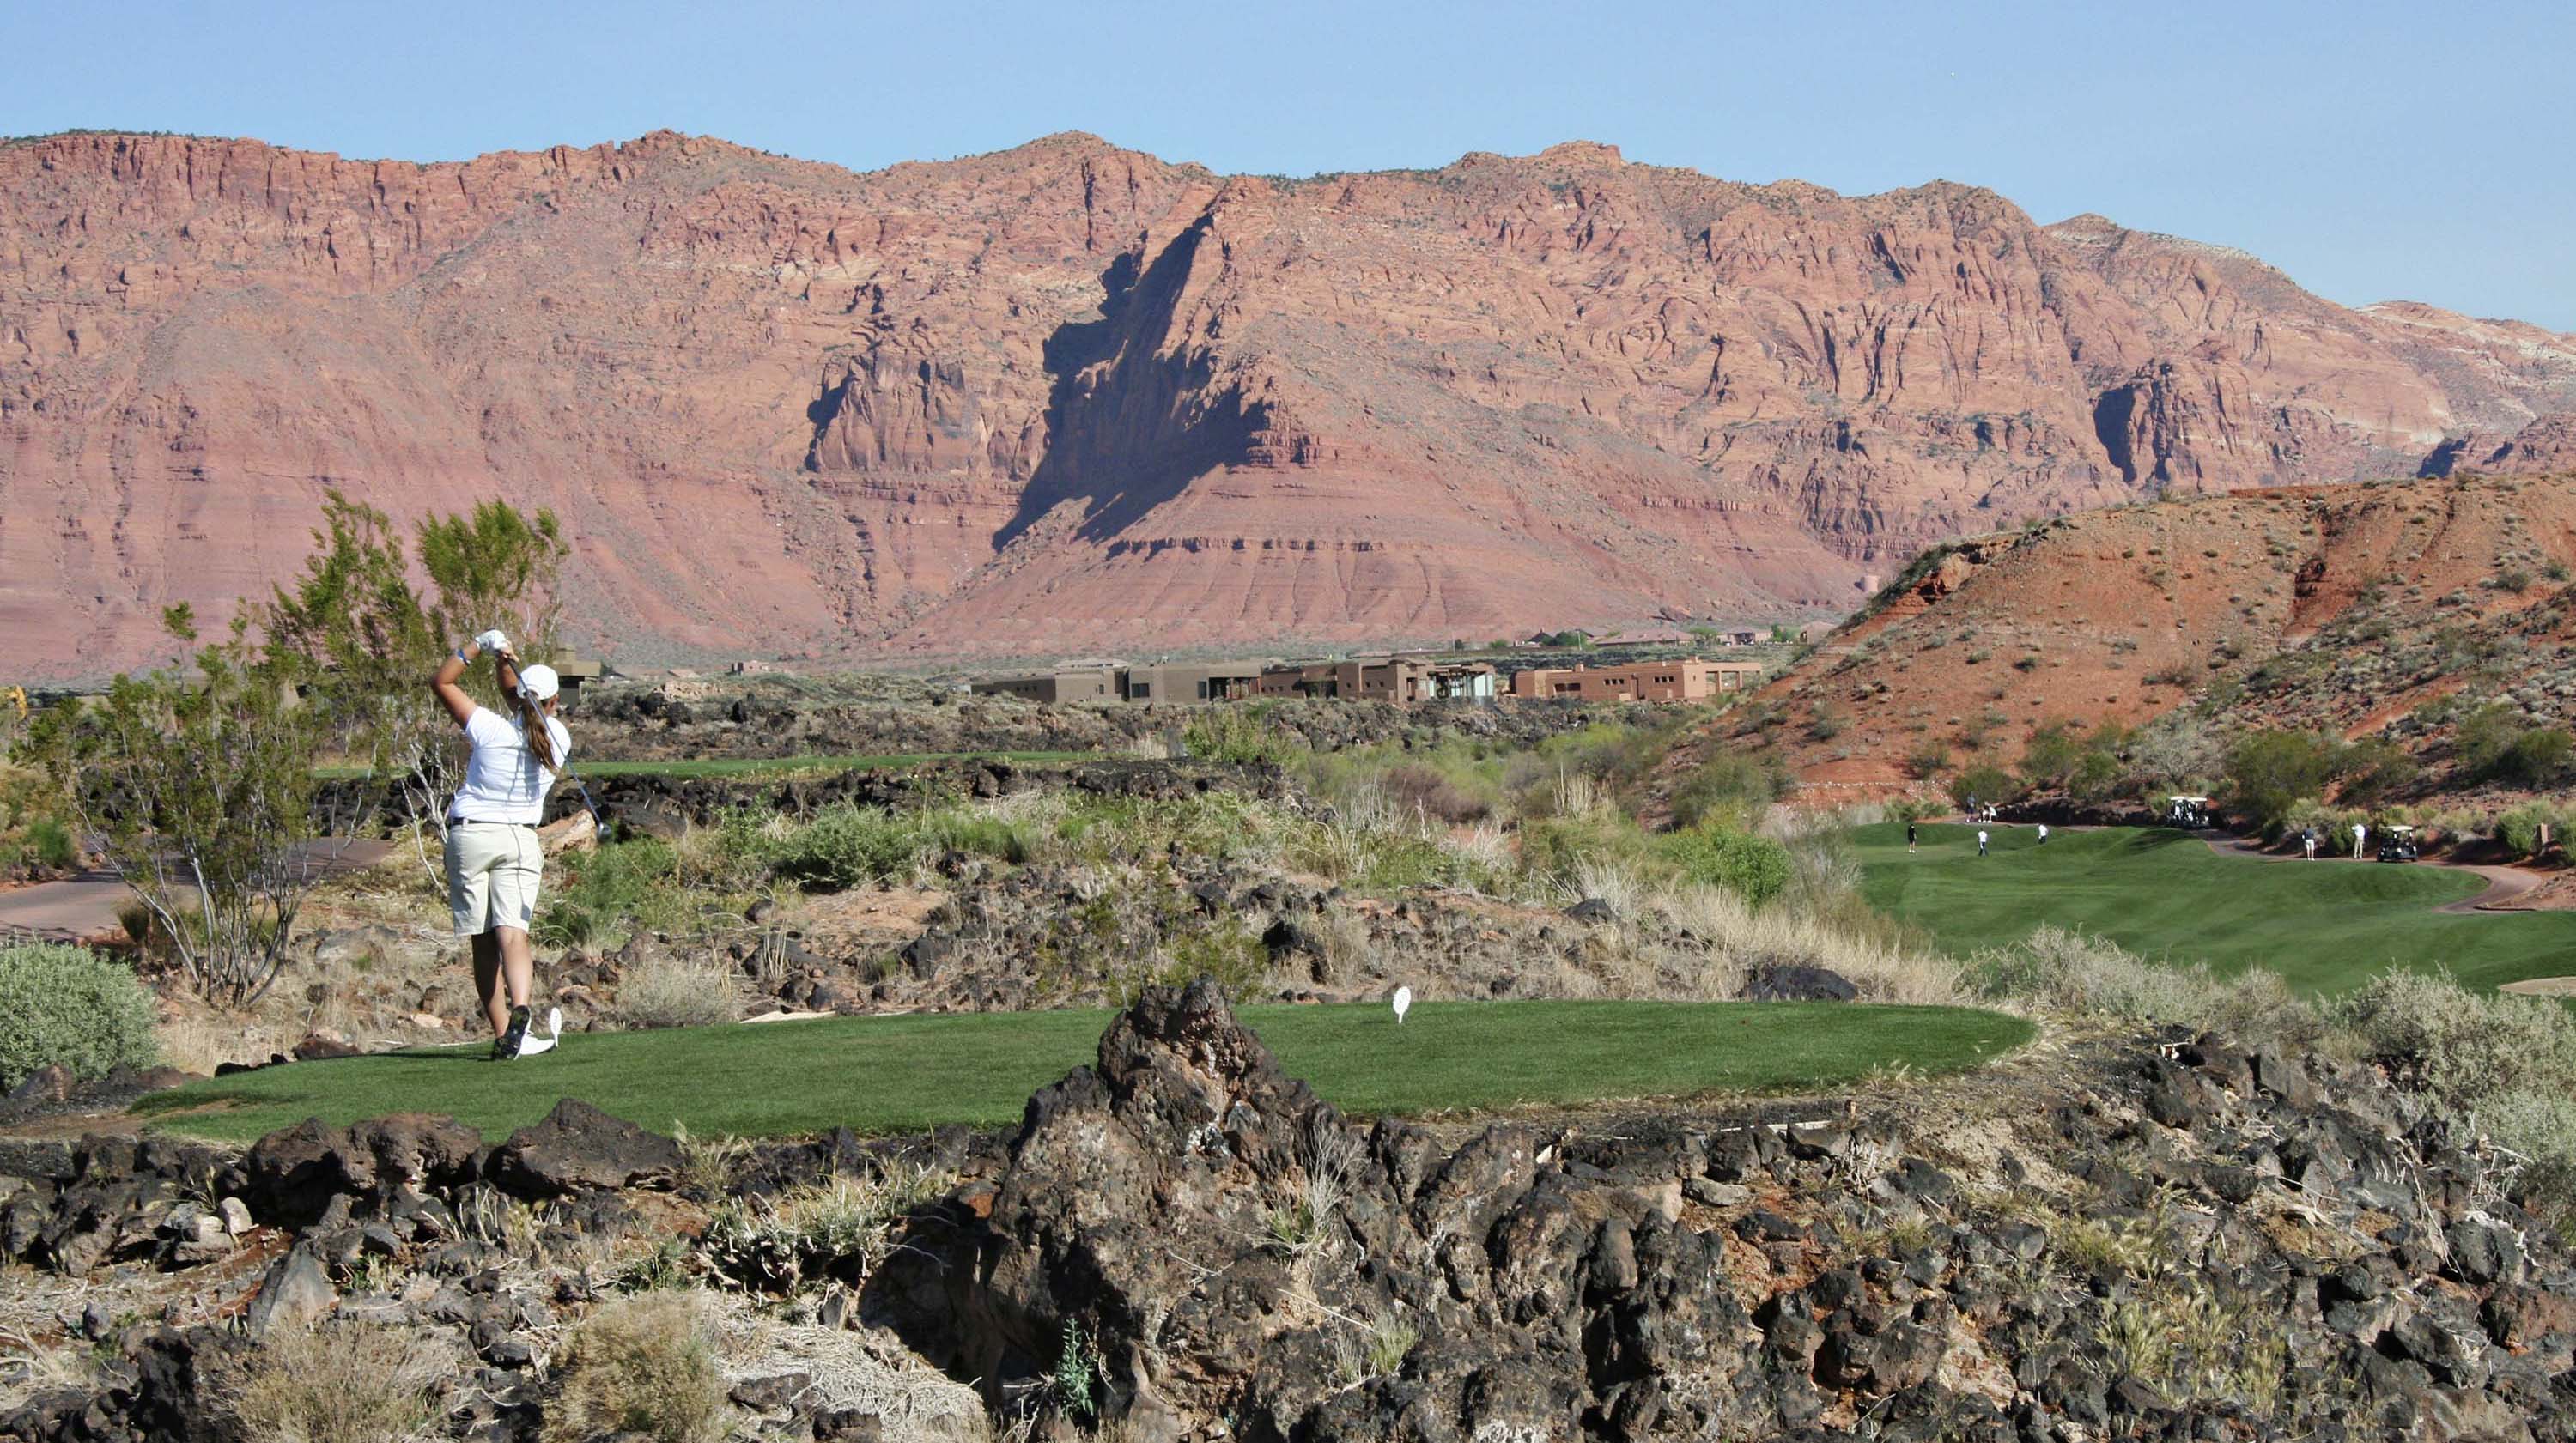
(2373, 151)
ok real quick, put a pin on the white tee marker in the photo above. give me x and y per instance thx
(1403, 1004)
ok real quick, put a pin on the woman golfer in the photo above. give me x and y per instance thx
(493, 859)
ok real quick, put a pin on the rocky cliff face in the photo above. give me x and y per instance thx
(1068, 397)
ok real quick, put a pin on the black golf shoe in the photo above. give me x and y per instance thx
(507, 1048)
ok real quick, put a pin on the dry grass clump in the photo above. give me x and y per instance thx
(644, 1364)
(1740, 938)
(344, 1383)
(670, 991)
(843, 1224)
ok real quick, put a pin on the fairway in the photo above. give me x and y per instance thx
(883, 1075)
(2324, 926)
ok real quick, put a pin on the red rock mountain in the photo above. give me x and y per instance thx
(1073, 398)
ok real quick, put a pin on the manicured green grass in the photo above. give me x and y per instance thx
(2324, 926)
(763, 766)
(883, 1075)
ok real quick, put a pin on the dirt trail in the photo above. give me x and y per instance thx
(84, 908)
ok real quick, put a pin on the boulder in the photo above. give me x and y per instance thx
(295, 1291)
(578, 1148)
(1794, 982)
(293, 1174)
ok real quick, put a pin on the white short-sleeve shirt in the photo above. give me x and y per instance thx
(503, 781)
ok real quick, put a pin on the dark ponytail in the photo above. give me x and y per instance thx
(541, 738)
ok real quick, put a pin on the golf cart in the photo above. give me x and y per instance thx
(2397, 844)
(2191, 813)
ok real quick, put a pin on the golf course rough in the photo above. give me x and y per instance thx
(880, 1076)
(2324, 926)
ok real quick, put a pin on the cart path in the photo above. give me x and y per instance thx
(84, 908)
(2505, 885)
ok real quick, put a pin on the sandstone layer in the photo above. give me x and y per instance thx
(2385, 610)
(1071, 398)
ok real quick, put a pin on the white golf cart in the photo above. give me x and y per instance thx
(2191, 813)
(2397, 844)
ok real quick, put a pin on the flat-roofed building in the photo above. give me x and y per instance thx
(1688, 679)
(1089, 683)
(1396, 679)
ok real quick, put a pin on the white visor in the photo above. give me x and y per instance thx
(537, 683)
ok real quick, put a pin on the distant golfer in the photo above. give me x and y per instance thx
(493, 859)
(2359, 833)
(1909, 836)
(2308, 838)
(1981, 841)
(2043, 834)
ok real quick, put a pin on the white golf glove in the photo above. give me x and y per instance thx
(493, 641)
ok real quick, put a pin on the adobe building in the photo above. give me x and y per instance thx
(1170, 681)
(1396, 679)
(1689, 679)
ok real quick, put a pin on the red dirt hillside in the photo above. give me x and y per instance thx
(1073, 398)
(2342, 609)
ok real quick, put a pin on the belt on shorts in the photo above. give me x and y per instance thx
(487, 822)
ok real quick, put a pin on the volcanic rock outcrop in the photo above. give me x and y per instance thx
(1069, 397)
(2144, 1236)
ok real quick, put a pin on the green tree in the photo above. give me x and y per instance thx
(497, 567)
(198, 789)
(360, 638)
(2269, 772)
(2485, 736)
(2051, 756)
(1986, 783)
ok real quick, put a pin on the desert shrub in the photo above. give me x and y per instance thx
(1825, 725)
(2520, 828)
(2175, 750)
(2462, 1046)
(50, 844)
(71, 1008)
(2270, 771)
(608, 888)
(977, 834)
(1734, 787)
(2540, 757)
(1241, 735)
(1927, 759)
(1753, 868)
(346, 1383)
(1986, 783)
(2376, 769)
(2074, 972)
(2051, 755)
(847, 847)
(844, 1225)
(1556, 848)
(1432, 793)
(2096, 778)
(659, 990)
(644, 1364)
(1232, 956)
(2484, 735)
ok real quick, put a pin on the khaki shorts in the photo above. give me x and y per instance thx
(492, 874)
